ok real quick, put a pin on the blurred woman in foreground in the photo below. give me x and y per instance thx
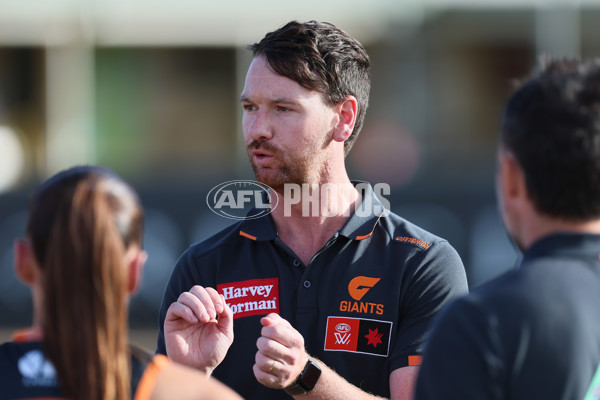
(82, 259)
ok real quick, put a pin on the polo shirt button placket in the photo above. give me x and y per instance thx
(297, 262)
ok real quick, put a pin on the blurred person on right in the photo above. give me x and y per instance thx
(534, 333)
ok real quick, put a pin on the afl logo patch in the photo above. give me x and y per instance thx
(342, 327)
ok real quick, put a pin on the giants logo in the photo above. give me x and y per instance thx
(253, 297)
(358, 287)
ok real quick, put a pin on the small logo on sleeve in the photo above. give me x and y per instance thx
(357, 335)
(416, 241)
(36, 370)
(252, 297)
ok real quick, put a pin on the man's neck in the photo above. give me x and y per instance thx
(546, 226)
(309, 215)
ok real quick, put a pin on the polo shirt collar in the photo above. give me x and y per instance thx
(363, 221)
(566, 244)
(262, 228)
(359, 226)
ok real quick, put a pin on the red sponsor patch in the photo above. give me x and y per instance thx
(342, 333)
(358, 335)
(253, 297)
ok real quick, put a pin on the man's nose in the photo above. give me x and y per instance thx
(257, 127)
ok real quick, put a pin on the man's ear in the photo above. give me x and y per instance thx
(512, 177)
(136, 259)
(347, 110)
(25, 264)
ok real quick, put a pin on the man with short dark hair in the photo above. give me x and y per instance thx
(332, 304)
(534, 333)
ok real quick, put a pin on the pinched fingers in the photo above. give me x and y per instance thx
(210, 298)
(226, 319)
(177, 311)
(198, 304)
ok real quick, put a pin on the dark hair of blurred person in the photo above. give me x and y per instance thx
(82, 258)
(552, 127)
(534, 332)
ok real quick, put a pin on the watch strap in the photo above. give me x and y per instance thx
(295, 389)
(307, 379)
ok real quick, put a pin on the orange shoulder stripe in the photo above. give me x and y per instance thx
(242, 233)
(372, 230)
(146, 385)
(363, 236)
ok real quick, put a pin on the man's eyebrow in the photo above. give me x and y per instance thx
(280, 100)
(283, 100)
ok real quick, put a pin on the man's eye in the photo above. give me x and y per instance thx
(248, 107)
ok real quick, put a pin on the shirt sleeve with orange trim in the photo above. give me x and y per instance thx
(146, 385)
(414, 361)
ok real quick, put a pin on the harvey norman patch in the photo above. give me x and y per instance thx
(252, 297)
(358, 335)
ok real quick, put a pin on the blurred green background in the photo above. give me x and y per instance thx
(151, 89)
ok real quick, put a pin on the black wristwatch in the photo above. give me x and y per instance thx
(307, 379)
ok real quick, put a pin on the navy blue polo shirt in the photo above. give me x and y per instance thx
(533, 333)
(363, 303)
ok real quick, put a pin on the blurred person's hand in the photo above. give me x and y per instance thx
(199, 329)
